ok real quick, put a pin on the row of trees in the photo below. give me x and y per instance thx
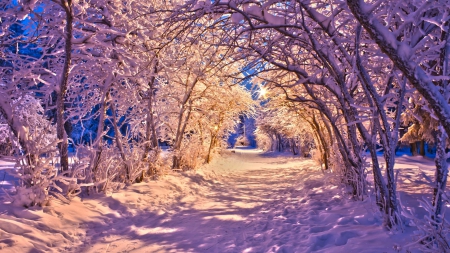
(351, 72)
(115, 81)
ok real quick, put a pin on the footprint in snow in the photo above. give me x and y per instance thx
(319, 229)
(322, 241)
(345, 236)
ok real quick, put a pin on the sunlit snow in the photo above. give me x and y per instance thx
(245, 201)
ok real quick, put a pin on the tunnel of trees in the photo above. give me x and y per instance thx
(91, 90)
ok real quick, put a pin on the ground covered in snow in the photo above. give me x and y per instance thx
(245, 201)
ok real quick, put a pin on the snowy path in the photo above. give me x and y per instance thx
(244, 202)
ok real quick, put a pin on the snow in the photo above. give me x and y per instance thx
(274, 20)
(6, 180)
(254, 10)
(245, 201)
(236, 18)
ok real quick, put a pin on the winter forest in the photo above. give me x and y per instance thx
(224, 125)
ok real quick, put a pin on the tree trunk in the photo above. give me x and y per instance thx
(273, 143)
(98, 142)
(182, 123)
(119, 144)
(413, 147)
(422, 148)
(440, 174)
(323, 147)
(280, 142)
(151, 139)
(392, 211)
(62, 89)
(293, 146)
(212, 144)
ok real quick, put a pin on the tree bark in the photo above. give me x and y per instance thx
(212, 144)
(151, 137)
(98, 143)
(413, 147)
(182, 123)
(62, 89)
(320, 135)
(422, 148)
(119, 144)
(293, 146)
(440, 174)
